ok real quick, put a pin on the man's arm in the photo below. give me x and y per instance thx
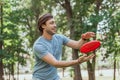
(59, 64)
(77, 44)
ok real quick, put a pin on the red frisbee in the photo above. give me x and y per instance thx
(90, 46)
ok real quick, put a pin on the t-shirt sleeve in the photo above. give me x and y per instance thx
(65, 39)
(40, 50)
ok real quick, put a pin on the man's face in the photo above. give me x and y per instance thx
(50, 26)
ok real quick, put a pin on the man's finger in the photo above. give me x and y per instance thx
(91, 56)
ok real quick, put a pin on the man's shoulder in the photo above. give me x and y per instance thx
(39, 44)
(39, 41)
(58, 35)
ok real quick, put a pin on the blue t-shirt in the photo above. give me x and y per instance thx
(41, 47)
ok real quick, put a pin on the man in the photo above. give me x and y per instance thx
(48, 49)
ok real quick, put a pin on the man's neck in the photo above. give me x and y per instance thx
(47, 36)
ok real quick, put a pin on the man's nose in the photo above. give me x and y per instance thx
(55, 25)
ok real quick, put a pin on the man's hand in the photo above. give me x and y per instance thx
(85, 58)
(88, 35)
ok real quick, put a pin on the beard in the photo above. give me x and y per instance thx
(50, 32)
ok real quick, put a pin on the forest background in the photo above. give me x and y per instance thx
(18, 31)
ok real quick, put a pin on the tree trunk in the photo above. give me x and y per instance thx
(18, 68)
(63, 70)
(77, 68)
(91, 65)
(12, 70)
(1, 44)
(69, 14)
(114, 74)
(1, 70)
(91, 68)
(63, 58)
(9, 73)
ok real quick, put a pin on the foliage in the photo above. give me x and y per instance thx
(13, 48)
(111, 31)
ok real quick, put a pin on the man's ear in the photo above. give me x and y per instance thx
(43, 26)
